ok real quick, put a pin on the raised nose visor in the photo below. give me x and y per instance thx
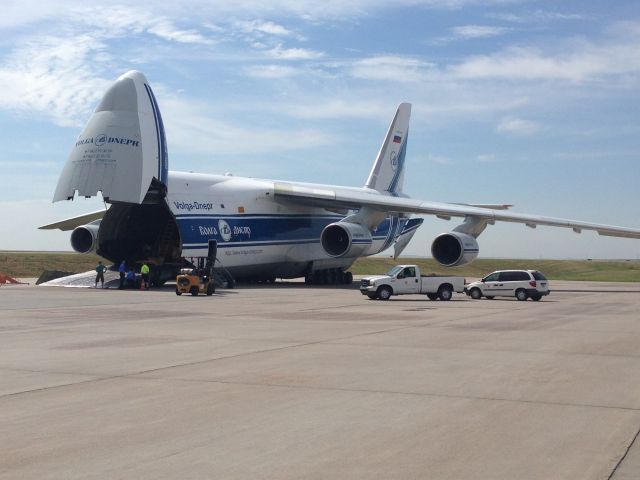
(122, 148)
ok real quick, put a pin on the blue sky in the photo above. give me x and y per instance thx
(526, 102)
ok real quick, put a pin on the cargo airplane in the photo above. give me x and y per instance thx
(264, 228)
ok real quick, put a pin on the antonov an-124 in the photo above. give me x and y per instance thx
(264, 228)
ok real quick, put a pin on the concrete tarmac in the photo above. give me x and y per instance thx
(288, 382)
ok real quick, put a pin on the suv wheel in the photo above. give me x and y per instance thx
(536, 298)
(521, 294)
(476, 294)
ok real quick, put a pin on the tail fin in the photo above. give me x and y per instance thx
(387, 174)
(122, 148)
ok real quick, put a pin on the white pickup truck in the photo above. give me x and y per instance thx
(406, 279)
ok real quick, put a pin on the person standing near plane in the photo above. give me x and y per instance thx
(122, 269)
(100, 268)
(144, 271)
(131, 278)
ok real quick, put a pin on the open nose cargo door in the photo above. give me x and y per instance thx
(122, 152)
(122, 149)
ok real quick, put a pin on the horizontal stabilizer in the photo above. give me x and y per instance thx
(122, 148)
(408, 231)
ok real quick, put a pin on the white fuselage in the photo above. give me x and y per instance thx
(256, 234)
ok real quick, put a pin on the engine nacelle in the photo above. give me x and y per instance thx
(84, 239)
(452, 249)
(344, 239)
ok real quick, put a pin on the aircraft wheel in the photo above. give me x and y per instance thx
(348, 278)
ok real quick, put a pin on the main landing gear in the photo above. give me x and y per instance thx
(329, 276)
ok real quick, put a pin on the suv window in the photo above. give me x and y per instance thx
(514, 276)
(538, 276)
(491, 278)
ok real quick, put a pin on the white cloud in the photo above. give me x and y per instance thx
(518, 126)
(272, 71)
(55, 77)
(390, 68)
(478, 31)
(294, 53)
(486, 158)
(338, 108)
(588, 62)
(193, 130)
(60, 76)
(263, 27)
(537, 16)
(165, 29)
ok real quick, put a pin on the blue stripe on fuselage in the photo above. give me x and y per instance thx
(263, 229)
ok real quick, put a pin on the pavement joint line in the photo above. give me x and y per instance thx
(624, 455)
(140, 375)
(188, 364)
(395, 392)
(540, 352)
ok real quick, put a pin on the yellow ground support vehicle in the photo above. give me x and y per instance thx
(198, 278)
(194, 281)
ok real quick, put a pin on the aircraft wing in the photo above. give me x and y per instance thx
(356, 198)
(73, 222)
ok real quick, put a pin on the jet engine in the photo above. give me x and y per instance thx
(454, 248)
(344, 239)
(84, 239)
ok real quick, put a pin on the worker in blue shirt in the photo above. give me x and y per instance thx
(122, 269)
(131, 278)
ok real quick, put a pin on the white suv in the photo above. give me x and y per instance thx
(522, 284)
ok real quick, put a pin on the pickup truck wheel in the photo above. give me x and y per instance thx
(372, 296)
(445, 294)
(432, 296)
(521, 294)
(476, 294)
(384, 293)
